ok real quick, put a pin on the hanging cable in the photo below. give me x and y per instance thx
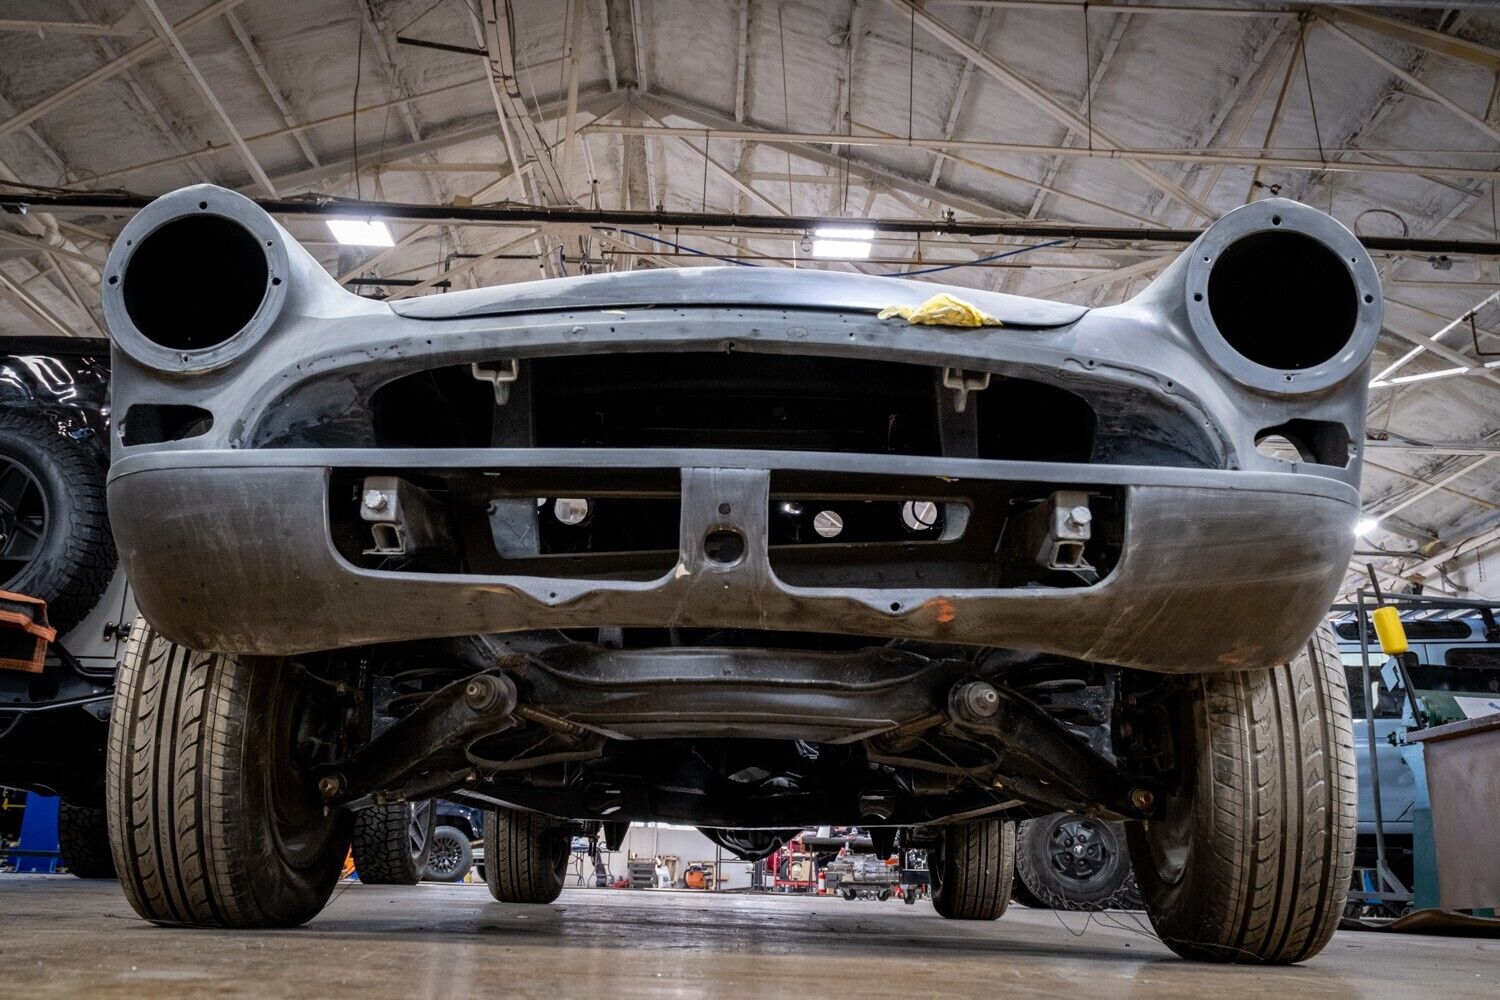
(971, 263)
(359, 63)
(675, 246)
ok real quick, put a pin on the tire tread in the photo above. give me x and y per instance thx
(517, 857)
(175, 792)
(977, 869)
(1277, 830)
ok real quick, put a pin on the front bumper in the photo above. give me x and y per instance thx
(231, 550)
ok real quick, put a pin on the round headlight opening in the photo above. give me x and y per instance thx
(1283, 300)
(194, 282)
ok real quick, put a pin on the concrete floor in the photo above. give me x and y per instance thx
(62, 937)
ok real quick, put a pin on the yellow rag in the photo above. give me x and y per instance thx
(942, 310)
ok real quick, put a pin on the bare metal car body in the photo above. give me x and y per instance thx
(722, 547)
(1202, 553)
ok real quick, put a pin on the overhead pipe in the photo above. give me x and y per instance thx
(43, 225)
(509, 214)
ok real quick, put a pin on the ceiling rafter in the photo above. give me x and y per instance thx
(1070, 137)
(1311, 164)
(163, 27)
(114, 67)
(1411, 80)
(258, 63)
(137, 90)
(1044, 101)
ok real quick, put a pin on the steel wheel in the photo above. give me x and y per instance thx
(1077, 851)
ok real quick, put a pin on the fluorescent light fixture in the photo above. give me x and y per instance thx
(842, 241)
(360, 233)
(1380, 383)
(1365, 526)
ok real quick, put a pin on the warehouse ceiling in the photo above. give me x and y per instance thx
(1152, 114)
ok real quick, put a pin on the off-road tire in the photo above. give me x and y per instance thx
(391, 842)
(976, 865)
(211, 820)
(525, 856)
(1250, 861)
(1018, 891)
(83, 841)
(75, 557)
(449, 839)
(1111, 886)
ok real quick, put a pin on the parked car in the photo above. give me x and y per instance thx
(727, 548)
(55, 544)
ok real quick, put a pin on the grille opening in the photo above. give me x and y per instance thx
(505, 522)
(977, 539)
(1024, 421)
(1283, 300)
(734, 400)
(195, 282)
(151, 423)
(438, 408)
(510, 523)
(729, 400)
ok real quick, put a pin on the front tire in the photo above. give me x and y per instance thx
(525, 856)
(391, 843)
(975, 868)
(213, 820)
(1250, 861)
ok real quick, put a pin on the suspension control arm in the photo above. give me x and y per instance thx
(1039, 747)
(425, 740)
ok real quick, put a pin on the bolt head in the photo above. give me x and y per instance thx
(1080, 515)
(482, 693)
(375, 500)
(980, 699)
(329, 785)
(1142, 799)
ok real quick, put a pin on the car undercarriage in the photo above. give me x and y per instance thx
(738, 736)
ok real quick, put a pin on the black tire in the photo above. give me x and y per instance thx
(976, 865)
(83, 841)
(391, 842)
(54, 529)
(525, 856)
(1251, 860)
(452, 855)
(212, 817)
(848, 895)
(1068, 862)
(1018, 891)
